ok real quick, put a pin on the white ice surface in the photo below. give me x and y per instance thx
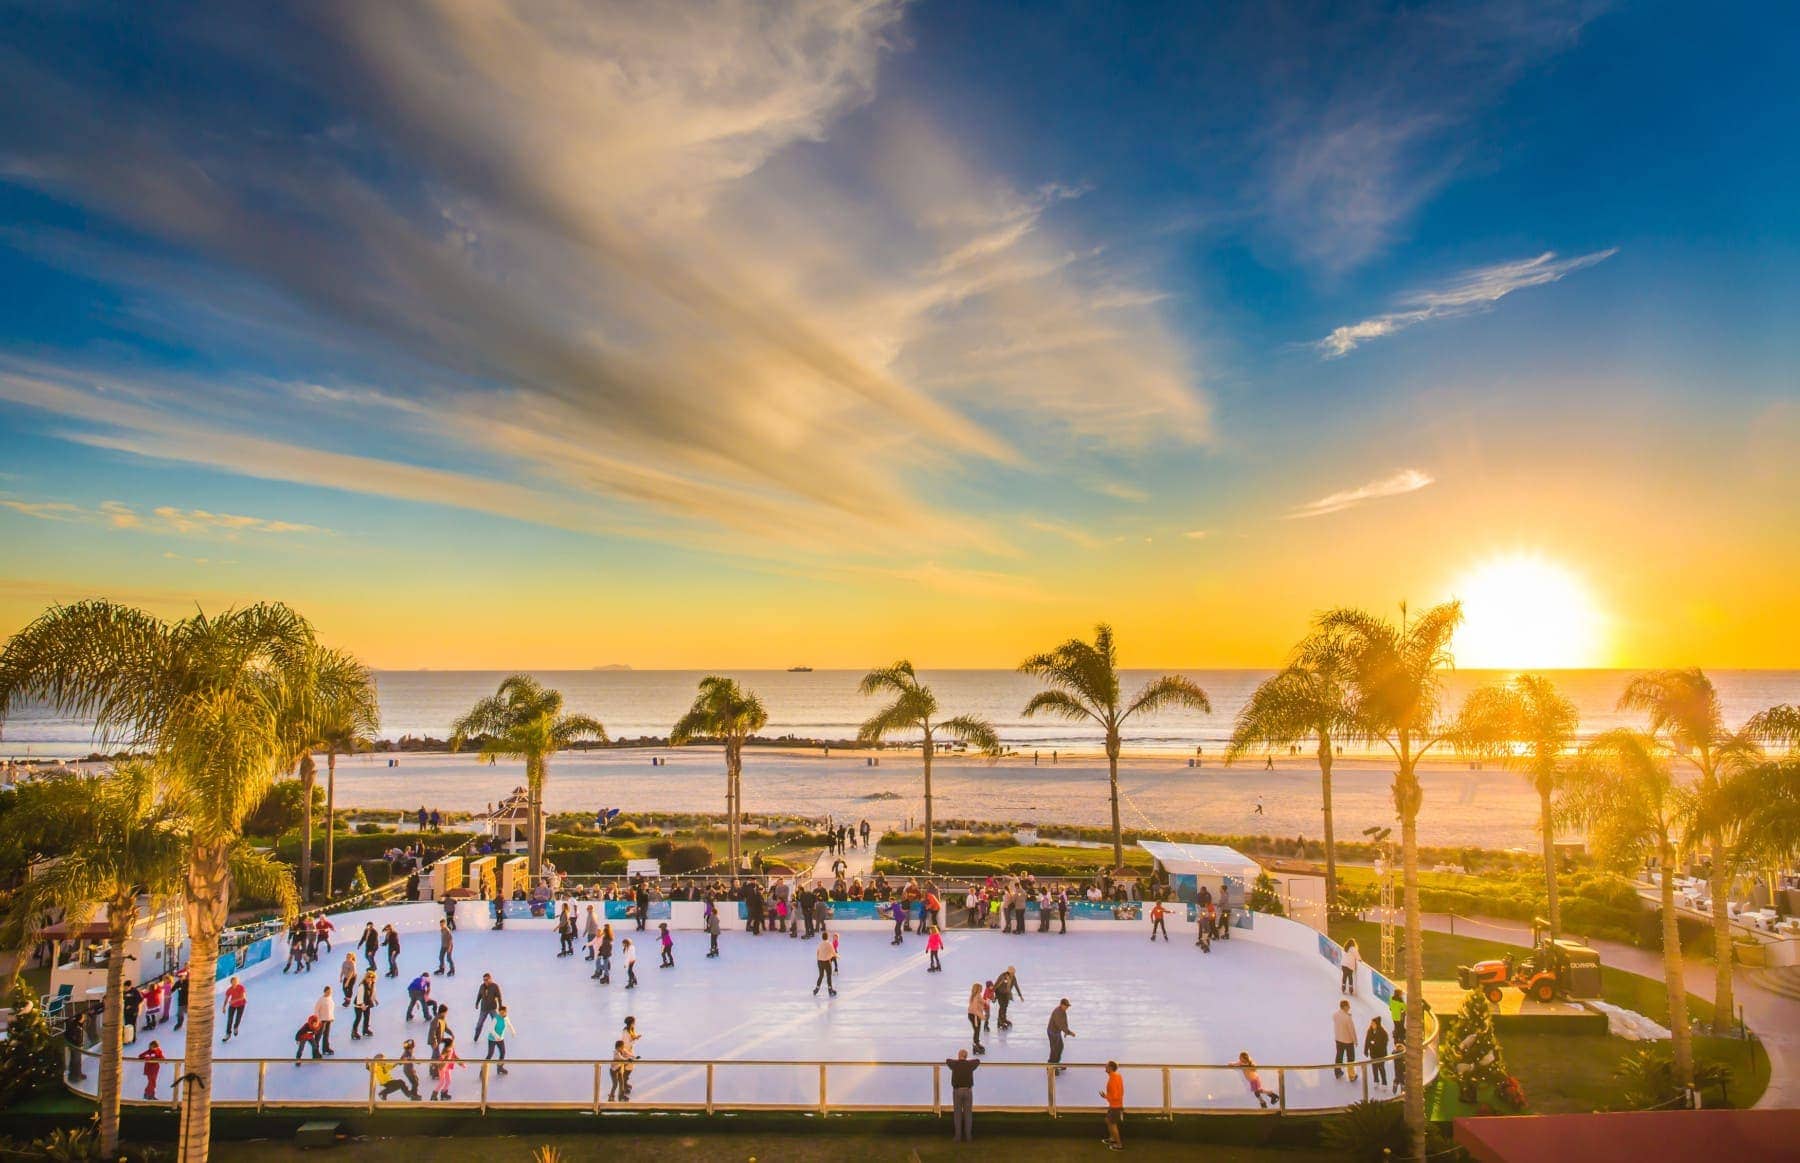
(1137, 1002)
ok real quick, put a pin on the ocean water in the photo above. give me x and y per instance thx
(825, 705)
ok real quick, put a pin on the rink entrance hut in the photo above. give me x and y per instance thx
(1228, 873)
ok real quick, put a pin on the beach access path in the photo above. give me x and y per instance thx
(1775, 1018)
(859, 861)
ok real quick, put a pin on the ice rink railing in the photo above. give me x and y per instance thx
(747, 1084)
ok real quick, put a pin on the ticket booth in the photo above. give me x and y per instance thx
(483, 877)
(513, 877)
(446, 874)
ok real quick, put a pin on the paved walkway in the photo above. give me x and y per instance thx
(1775, 1018)
(858, 861)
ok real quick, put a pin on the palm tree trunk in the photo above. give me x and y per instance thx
(1674, 978)
(330, 818)
(734, 761)
(1112, 775)
(1408, 794)
(1331, 887)
(1548, 826)
(927, 755)
(535, 771)
(309, 775)
(208, 891)
(121, 916)
(1724, 1005)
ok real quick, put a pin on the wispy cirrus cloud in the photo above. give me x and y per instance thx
(1472, 291)
(162, 519)
(1407, 480)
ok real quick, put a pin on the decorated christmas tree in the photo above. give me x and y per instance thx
(1472, 1050)
(1264, 898)
(31, 1055)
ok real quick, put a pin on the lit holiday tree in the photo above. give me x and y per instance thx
(1473, 1048)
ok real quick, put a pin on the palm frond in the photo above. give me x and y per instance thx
(1171, 690)
(1298, 703)
(974, 731)
(568, 728)
(896, 679)
(1778, 726)
(95, 660)
(1061, 704)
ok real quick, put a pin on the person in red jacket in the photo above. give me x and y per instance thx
(152, 1060)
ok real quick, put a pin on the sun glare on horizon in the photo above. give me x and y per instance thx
(1522, 611)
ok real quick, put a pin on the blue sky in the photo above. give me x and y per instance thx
(705, 334)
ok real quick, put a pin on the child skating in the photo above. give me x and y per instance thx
(934, 945)
(667, 941)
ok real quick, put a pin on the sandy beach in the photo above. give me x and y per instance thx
(1491, 808)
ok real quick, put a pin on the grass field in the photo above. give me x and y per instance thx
(1001, 854)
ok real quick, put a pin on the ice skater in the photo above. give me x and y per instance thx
(629, 951)
(369, 942)
(934, 945)
(235, 999)
(565, 931)
(446, 948)
(898, 908)
(603, 951)
(487, 1001)
(1058, 1029)
(826, 957)
(1264, 1098)
(1006, 988)
(497, 1035)
(418, 995)
(307, 1038)
(1348, 966)
(348, 974)
(152, 1060)
(667, 941)
(621, 1063)
(325, 1009)
(446, 1064)
(590, 925)
(978, 1010)
(390, 939)
(1375, 1048)
(712, 926)
(1343, 1036)
(1158, 915)
(364, 1008)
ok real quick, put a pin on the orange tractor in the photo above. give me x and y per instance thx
(1565, 969)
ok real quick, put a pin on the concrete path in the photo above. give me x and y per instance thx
(1774, 1017)
(858, 861)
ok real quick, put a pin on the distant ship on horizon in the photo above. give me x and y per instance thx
(799, 670)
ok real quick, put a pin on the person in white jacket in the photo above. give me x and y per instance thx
(1351, 963)
(325, 1009)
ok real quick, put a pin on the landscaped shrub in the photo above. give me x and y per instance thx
(581, 855)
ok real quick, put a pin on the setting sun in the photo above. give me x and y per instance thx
(1524, 611)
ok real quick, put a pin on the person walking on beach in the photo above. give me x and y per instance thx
(1348, 967)
(934, 945)
(446, 1062)
(1114, 1094)
(364, 1008)
(1375, 1048)
(1157, 922)
(826, 956)
(348, 974)
(1253, 1080)
(487, 1001)
(1343, 1035)
(446, 949)
(1058, 1030)
(962, 1096)
(325, 1009)
(629, 952)
(152, 1060)
(496, 1039)
(667, 941)
(977, 1015)
(235, 999)
(1006, 988)
(390, 938)
(418, 994)
(603, 951)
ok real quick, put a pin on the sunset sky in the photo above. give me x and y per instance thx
(743, 335)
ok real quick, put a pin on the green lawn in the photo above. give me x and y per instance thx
(1001, 854)
(1565, 1073)
(801, 1145)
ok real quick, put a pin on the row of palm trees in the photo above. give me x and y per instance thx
(1360, 678)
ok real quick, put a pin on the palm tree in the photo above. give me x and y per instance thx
(1628, 800)
(208, 698)
(1084, 684)
(1395, 678)
(914, 709)
(119, 841)
(1527, 711)
(340, 737)
(523, 719)
(337, 704)
(724, 711)
(1687, 723)
(1768, 799)
(1306, 700)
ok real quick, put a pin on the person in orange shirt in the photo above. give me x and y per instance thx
(1114, 1094)
(1157, 918)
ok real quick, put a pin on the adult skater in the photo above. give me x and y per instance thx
(1203, 929)
(1006, 988)
(1343, 1035)
(1375, 1048)
(409, 1071)
(446, 949)
(898, 908)
(621, 1062)
(565, 931)
(437, 1033)
(449, 918)
(629, 952)
(934, 945)
(418, 995)
(322, 930)
(977, 1015)
(1397, 1013)
(348, 974)
(826, 956)
(487, 1001)
(390, 939)
(1062, 911)
(603, 951)
(821, 910)
(325, 1009)
(496, 1039)
(236, 997)
(1157, 922)
(667, 941)
(1253, 1080)
(370, 942)
(181, 998)
(307, 1037)
(1058, 1030)
(641, 904)
(962, 1096)
(152, 1059)
(1114, 1094)
(711, 916)
(590, 926)
(628, 1038)
(363, 1008)
(1348, 967)
(447, 1061)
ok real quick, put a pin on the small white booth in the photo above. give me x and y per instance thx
(1226, 872)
